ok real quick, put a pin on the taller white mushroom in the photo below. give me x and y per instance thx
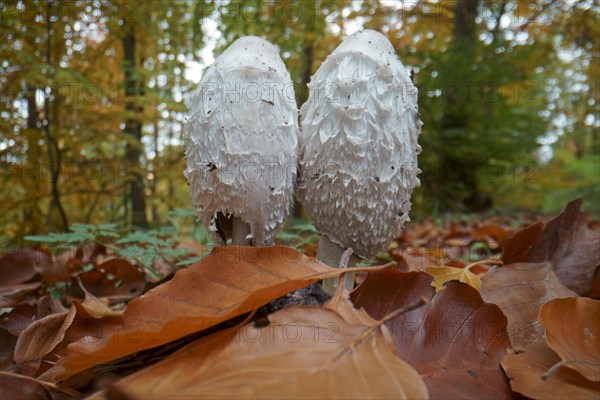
(358, 147)
(241, 144)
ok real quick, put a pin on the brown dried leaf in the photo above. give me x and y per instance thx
(527, 367)
(411, 258)
(19, 318)
(7, 349)
(305, 352)
(24, 314)
(14, 388)
(42, 336)
(573, 332)
(571, 247)
(456, 342)
(490, 232)
(48, 306)
(116, 278)
(516, 247)
(12, 295)
(520, 290)
(20, 266)
(594, 292)
(228, 282)
(92, 307)
(75, 259)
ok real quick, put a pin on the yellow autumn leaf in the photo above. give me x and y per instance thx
(444, 274)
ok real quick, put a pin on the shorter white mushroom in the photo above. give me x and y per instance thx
(241, 144)
(358, 148)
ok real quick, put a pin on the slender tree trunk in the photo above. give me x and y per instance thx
(133, 130)
(154, 182)
(460, 170)
(54, 151)
(32, 214)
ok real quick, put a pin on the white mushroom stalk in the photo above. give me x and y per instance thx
(358, 148)
(241, 144)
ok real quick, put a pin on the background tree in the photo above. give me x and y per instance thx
(90, 132)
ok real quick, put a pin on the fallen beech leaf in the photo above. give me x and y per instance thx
(442, 275)
(162, 269)
(516, 247)
(457, 242)
(594, 292)
(14, 388)
(388, 290)
(573, 332)
(75, 259)
(12, 295)
(494, 232)
(520, 290)
(305, 352)
(24, 314)
(7, 350)
(410, 258)
(20, 266)
(48, 306)
(42, 336)
(228, 282)
(456, 342)
(116, 278)
(571, 246)
(19, 318)
(92, 307)
(526, 369)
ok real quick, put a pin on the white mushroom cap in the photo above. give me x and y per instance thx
(358, 145)
(241, 141)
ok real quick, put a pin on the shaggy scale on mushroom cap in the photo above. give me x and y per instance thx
(358, 145)
(241, 140)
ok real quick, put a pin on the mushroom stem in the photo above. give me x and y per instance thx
(240, 233)
(331, 253)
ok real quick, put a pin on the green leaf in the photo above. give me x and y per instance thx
(190, 260)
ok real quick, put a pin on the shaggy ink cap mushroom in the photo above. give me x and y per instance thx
(358, 145)
(241, 143)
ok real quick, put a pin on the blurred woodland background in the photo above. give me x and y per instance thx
(93, 99)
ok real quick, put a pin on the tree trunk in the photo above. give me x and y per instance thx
(56, 218)
(459, 170)
(154, 182)
(32, 213)
(133, 130)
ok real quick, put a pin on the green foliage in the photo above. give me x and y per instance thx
(183, 218)
(79, 233)
(145, 247)
(549, 187)
(298, 232)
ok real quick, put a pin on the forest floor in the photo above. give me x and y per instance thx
(497, 307)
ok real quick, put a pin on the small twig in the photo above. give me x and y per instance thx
(548, 374)
(492, 262)
(403, 310)
(422, 301)
(50, 385)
